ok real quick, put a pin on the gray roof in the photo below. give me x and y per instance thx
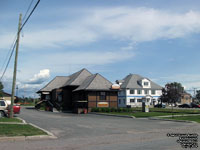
(77, 78)
(95, 82)
(57, 82)
(131, 81)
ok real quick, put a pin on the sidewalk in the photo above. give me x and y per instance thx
(179, 115)
(150, 118)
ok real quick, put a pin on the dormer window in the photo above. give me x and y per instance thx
(145, 83)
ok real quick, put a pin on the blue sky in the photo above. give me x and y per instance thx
(157, 39)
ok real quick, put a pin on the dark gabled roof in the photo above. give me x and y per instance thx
(95, 82)
(132, 81)
(6, 94)
(57, 82)
(77, 78)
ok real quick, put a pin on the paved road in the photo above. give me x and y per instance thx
(93, 132)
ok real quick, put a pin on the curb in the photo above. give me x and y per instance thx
(155, 118)
(25, 138)
(112, 115)
(21, 120)
(50, 135)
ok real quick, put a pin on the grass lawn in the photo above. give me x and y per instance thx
(186, 111)
(10, 120)
(19, 130)
(189, 118)
(141, 114)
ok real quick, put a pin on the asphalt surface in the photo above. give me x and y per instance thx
(95, 132)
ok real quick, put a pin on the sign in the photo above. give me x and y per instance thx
(102, 104)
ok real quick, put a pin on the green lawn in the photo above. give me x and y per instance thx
(189, 118)
(10, 120)
(19, 130)
(142, 114)
(186, 111)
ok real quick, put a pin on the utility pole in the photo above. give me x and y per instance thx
(15, 67)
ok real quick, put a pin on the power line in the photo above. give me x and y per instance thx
(27, 10)
(8, 60)
(29, 15)
(14, 41)
(18, 32)
(7, 56)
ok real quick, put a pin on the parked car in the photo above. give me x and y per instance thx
(160, 105)
(184, 106)
(16, 109)
(4, 108)
(193, 105)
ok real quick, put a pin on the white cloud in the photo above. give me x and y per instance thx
(145, 24)
(119, 23)
(39, 78)
(58, 37)
(85, 58)
(189, 81)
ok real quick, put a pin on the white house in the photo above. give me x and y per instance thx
(133, 88)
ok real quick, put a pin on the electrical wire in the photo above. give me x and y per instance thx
(29, 15)
(17, 33)
(27, 10)
(8, 60)
(7, 56)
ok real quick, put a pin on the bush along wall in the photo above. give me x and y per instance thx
(103, 109)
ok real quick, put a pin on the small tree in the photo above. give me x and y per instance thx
(171, 94)
(1, 89)
(198, 95)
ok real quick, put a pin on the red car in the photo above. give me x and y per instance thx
(193, 105)
(4, 108)
(16, 109)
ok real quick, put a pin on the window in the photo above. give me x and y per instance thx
(59, 98)
(139, 91)
(132, 100)
(119, 101)
(146, 83)
(148, 100)
(146, 91)
(139, 100)
(47, 97)
(153, 92)
(102, 95)
(2, 103)
(124, 101)
(121, 93)
(132, 92)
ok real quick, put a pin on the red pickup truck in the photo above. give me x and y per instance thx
(4, 108)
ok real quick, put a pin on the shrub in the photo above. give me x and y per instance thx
(107, 109)
(95, 109)
(124, 109)
(119, 110)
(102, 109)
(113, 109)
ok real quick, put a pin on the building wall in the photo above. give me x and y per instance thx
(94, 98)
(132, 98)
(186, 99)
(67, 97)
(54, 95)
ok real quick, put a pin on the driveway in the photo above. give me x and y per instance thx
(94, 132)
